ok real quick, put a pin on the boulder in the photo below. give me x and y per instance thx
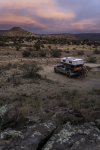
(71, 137)
(9, 115)
(97, 122)
(10, 134)
(38, 135)
(68, 115)
(33, 138)
(9, 137)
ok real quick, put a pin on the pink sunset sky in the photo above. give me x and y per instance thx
(51, 16)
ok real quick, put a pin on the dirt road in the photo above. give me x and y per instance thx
(90, 82)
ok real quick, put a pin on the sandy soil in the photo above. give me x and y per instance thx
(44, 97)
(91, 81)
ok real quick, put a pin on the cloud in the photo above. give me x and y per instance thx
(52, 15)
(20, 20)
(56, 15)
(86, 25)
(46, 9)
(17, 4)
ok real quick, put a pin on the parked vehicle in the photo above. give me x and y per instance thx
(71, 67)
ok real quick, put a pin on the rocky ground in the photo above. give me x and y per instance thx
(51, 112)
(48, 135)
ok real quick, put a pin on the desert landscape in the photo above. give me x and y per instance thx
(41, 109)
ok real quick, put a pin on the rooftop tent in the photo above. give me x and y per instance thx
(72, 61)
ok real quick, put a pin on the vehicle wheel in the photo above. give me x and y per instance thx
(83, 73)
(69, 74)
(55, 70)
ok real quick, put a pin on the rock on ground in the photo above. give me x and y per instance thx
(32, 139)
(10, 116)
(83, 137)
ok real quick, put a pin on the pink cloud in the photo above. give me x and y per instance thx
(50, 15)
(55, 15)
(85, 24)
(12, 19)
(46, 9)
(26, 3)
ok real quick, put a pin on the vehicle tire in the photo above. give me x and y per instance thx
(55, 70)
(69, 74)
(83, 73)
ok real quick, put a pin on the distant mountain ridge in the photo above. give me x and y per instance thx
(19, 32)
(68, 36)
(16, 32)
(89, 36)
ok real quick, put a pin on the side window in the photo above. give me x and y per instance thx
(62, 66)
(70, 62)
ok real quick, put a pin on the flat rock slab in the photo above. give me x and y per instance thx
(33, 138)
(83, 137)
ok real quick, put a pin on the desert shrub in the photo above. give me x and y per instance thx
(26, 53)
(80, 52)
(96, 51)
(42, 53)
(88, 68)
(31, 70)
(74, 48)
(67, 51)
(55, 53)
(35, 54)
(74, 92)
(38, 45)
(31, 49)
(95, 91)
(17, 46)
(91, 59)
(9, 66)
(49, 46)
(2, 43)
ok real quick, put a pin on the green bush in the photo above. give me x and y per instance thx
(55, 53)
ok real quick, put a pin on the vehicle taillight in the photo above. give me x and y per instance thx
(78, 69)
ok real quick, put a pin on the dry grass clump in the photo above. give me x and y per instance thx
(91, 59)
(55, 53)
(26, 53)
(80, 52)
(33, 53)
(96, 51)
(31, 70)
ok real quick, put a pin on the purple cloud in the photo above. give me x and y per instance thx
(51, 16)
